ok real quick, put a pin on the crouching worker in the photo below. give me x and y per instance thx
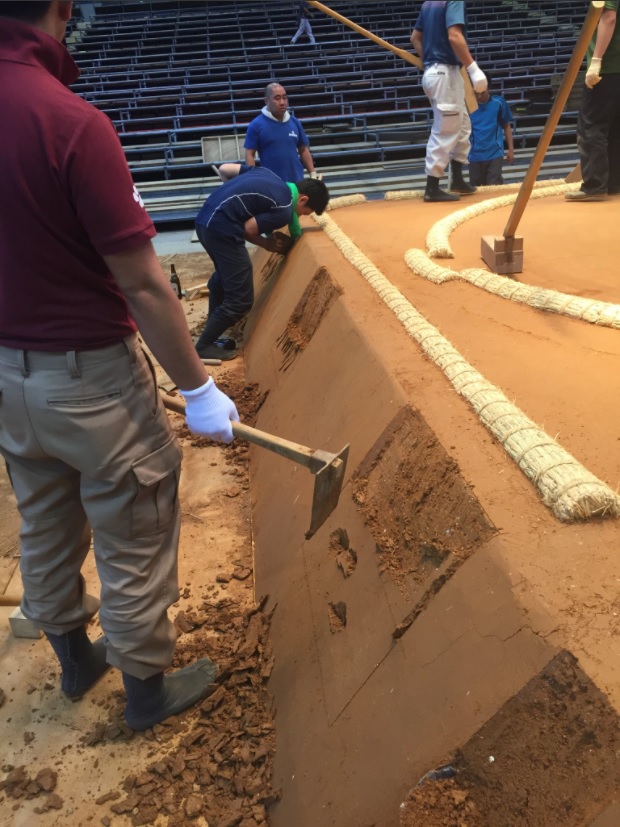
(251, 204)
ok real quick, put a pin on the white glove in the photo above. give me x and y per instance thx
(593, 75)
(477, 77)
(315, 174)
(208, 412)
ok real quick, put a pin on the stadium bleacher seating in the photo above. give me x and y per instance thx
(169, 74)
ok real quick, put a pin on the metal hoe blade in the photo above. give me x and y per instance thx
(327, 488)
(327, 468)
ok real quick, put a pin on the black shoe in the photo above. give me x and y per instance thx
(214, 351)
(582, 195)
(82, 662)
(152, 700)
(462, 188)
(227, 344)
(433, 191)
(459, 184)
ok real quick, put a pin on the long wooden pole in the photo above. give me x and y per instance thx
(470, 97)
(587, 31)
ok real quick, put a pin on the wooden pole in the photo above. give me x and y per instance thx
(587, 31)
(470, 97)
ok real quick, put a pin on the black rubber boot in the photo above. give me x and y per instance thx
(214, 351)
(459, 184)
(433, 191)
(82, 662)
(227, 344)
(152, 700)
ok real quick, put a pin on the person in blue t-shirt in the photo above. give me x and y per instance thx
(250, 205)
(490, 123)
(439, 38)
(279, 138)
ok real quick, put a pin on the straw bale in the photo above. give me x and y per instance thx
(593, 311)
(566, 487)
(346, 201)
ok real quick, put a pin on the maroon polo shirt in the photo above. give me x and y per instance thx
(66, 200)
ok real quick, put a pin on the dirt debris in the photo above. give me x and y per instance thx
(346, 557)
(337, 616)
(216, 760)
(423, 515)
(559, 726)
(18, 784)
(305, 319)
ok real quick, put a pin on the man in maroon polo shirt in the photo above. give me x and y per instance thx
(86, 441)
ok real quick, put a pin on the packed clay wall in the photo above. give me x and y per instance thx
(400, 628)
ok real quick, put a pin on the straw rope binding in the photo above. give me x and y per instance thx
(437, 238)
(601, 313)
(566, 486)
(346, 201)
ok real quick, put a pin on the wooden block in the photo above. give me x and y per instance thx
(21, 626)
(199, 289)
(493, 253)
(497, 243)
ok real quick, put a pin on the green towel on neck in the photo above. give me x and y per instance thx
(294, 227)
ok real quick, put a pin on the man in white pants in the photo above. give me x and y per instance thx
(439, 38)
(303, 19)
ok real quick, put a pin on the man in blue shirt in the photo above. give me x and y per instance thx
(249, 206)
(279, 138)
(489, 124)
(439, 39)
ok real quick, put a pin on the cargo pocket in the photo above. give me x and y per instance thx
(448, 119)
(157, 483)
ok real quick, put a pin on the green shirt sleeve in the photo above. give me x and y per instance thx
(294, 227)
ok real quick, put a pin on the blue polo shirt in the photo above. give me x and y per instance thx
(278, 144)
(434, 20)
(254, 193)
(487, 129)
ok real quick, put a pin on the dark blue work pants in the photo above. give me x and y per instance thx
(231, 287)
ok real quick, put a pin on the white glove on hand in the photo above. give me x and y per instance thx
(208, 412)
(593, 75)
(477, 77)
(315, 174)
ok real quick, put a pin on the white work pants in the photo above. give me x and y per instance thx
(304, 28)
(449, 138)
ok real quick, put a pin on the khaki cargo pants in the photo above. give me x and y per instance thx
(88, 448)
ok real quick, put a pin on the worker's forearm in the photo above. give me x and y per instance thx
(509, 139)
(604, 32)
(459, 46)
(158, 314)
(228, 171)
(254, 238)
(162, 324)
(417, 42)
(306, 159)
(250, 157)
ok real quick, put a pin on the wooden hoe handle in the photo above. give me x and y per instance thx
(470, 98)
(308, 457)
